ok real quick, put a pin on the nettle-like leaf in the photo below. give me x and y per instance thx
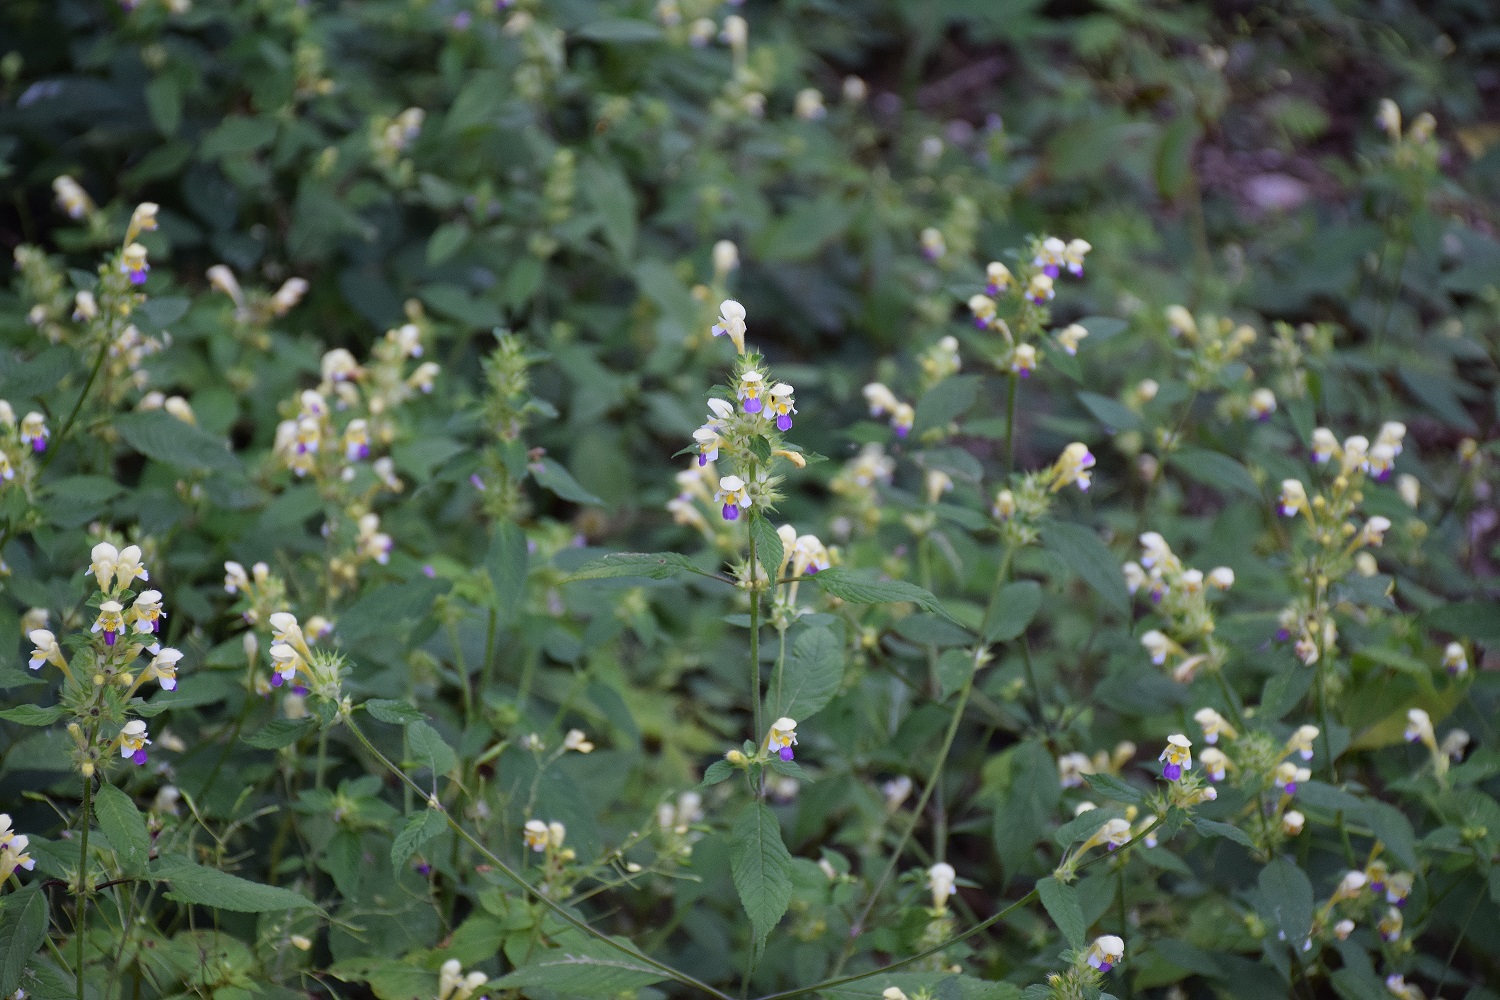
(761, 866)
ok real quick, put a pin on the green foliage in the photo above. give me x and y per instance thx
(1093, 375)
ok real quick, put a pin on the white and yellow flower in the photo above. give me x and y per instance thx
(163, 667)
(782, 737)
(940, 880)
(733, 495)
(731, 324)
(111, 621)
(1177, 757)
(1105, 953)
(133, 741)
(46, 650)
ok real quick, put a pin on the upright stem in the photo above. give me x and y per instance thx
(753, 582)
(1124, 926)
(563, 912)
(1010, 423)
(780, 665)
(80, 926)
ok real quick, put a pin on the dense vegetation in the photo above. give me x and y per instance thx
(872, 498)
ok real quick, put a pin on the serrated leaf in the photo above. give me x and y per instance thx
(551, 476)
(651, 565)
(1286, 900)
(1216, 470)
(160, 436)
(814, 671)
(862, 589)
(719, 770)
(427, 749)
(580, 968)
(1213, 828)
(1015, 606)
(123, 824)
(397, 713)
(280, 733)
(761, 866)
(193, 883)
(1115, 788)
(1090, 558)
(609, 191)
(1113, 415)
(418, 830)
(945, 402)
(1062, 906)
(507, 565)
(23, 928)
(768, 548)
(32, 715)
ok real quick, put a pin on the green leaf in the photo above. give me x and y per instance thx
(236, 136)
(160, 312)
(1081, 549)
(1083, 826)
(1015, 606)
(619, 29)
(1062, 906)
(719, 770)
(954, 668)
(10, 677)
(507, 564)
(164, 102)
(418, 830)
(1213, 828)
(582, 968)
(1174, 157)
(445, 241)
(806, 228)
(397, 713)
(761, 866)
(1216, 470)
(1116, 788)
(946, 401)
(651, 565)
(1439, 395)
(32, 715)
(123, 824)
(814, 671)
(427, 748)
(76, 500)
(768, 548)
(1103, 327)
(609, 191)
(280, 733)
(1286, 900)
(193, 883)
(23, 928)
(1394, 830)
(388, 978)
(159, 435)
(1478, 620)
(864, 589)
(551, 476)
(1114, 416)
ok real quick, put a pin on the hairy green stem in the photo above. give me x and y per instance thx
(82, 903)
(983, 925)
(1010, 423)
(557, 908)
(753, 582)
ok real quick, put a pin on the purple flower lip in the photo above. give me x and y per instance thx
(702, 460)
(1282, 635)
(980, 323)
(139, 756)
(299, 690)
(38, 445)
(1050, 270)
(992, 289)
(109, 637)
(783, 423)
(731, 512)
(1291, 788)
(276, 680)
(1172, 772)
(476, 482)
(902, 431)
(1106, 966)
(786, 753)
(754, 405)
